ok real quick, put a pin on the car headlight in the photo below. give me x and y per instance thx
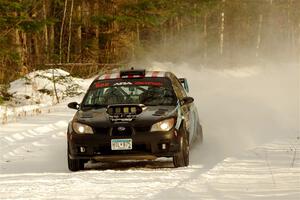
(82, 128)
(164, 125)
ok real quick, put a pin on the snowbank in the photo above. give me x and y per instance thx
(39, 87)
(38, 90)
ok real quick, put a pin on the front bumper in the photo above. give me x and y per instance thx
(145, 146)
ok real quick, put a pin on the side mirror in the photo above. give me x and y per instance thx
(73, 105)
(187, 100)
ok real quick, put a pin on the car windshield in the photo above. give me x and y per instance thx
(147, 91)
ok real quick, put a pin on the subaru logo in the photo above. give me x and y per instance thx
(121, 128)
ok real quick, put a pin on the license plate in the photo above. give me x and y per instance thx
(121, 144)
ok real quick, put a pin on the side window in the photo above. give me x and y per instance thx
(179, 90)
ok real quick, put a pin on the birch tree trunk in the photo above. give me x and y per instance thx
(138, 34)
(62, 31)
(97, 33)
(18, 45)
(46, 31)
(222, 29)
(51, 40)
(258, 41)
(70, 31)
(79, 32)
(24, 57)
(205, 37)
(36, 49)
(18, 42)
(299, 43)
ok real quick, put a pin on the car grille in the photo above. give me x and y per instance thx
(142, 129)
(101, 130)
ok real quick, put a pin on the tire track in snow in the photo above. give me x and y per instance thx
(35, 144)
(18, 144)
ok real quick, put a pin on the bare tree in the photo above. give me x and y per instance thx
(46, 30)
(70, 31)
(62, 30)
(222, 28)
(258, 42)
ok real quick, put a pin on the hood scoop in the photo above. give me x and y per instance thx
(160, 112)
(86, 115)
(124, 112)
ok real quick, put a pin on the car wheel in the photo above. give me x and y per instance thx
(75, 164)
(181, 159)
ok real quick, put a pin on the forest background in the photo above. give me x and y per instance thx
(85, 36)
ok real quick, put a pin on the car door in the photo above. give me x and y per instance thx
(188, 111)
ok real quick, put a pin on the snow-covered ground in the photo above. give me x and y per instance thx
(35, 93)
(250, 118)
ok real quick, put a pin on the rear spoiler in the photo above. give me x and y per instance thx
(184, 84)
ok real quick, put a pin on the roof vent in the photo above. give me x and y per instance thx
(132, 73)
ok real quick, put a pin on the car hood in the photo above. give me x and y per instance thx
(149, 116)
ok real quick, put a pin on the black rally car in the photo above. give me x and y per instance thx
(133, 115)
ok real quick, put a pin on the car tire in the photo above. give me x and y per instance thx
(75, 164)
(181, 159)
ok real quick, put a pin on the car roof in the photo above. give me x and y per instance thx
(147, 74)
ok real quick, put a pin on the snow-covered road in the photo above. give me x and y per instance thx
(251, 147)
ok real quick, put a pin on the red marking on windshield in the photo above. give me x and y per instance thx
(148, 83)
(101, 85)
